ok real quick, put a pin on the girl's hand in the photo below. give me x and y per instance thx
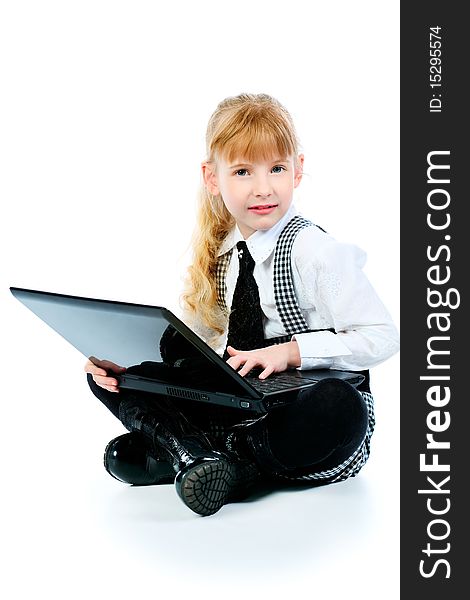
(101, 371)
(273, 359)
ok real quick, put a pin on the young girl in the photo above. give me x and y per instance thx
(269, 290)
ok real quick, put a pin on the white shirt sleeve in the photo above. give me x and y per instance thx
(332, 279)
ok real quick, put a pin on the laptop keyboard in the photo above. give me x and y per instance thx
(275, 383)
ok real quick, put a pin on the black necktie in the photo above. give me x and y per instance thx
(245, 326)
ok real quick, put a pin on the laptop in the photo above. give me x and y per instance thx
(162, 355)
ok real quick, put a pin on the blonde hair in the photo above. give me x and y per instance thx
(250, 127)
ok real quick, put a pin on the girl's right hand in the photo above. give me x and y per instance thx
(102, 372)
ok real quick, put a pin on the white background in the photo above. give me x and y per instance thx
(103, 113)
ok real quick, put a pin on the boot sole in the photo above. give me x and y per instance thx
(206, 487)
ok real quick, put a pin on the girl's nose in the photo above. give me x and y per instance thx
(262, 186)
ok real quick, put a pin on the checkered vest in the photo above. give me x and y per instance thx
(284, 294)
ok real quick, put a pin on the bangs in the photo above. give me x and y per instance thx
(254, 135)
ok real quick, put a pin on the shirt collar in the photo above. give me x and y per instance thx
(260, 243)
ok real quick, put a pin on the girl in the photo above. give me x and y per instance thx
(269, 290)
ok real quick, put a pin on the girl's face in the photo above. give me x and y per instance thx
(257, 194)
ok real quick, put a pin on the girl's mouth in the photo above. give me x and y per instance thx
(262, 209)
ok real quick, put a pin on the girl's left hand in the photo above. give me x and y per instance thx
(273, 359)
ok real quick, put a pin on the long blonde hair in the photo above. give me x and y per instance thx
(250, 127)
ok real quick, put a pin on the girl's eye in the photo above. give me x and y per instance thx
(241, 172)
(278, 169)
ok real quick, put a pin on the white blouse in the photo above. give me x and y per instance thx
(332, 292)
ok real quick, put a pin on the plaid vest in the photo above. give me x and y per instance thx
(286, 302)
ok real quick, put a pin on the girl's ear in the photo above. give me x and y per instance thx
(299, 169)
(209, 177)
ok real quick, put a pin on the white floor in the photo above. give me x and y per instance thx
(70, 531)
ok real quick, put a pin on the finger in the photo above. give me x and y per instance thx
(110, 388)
(236, 361)
(267, 372)
(110, 366)
(112, 372)
(93, 368)
(96, 371)
(95, 365)
(106, 380)
(95, 361)
(249, 364)
(232, 351)
(239, 360)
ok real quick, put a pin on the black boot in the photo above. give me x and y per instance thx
(248, 441)
(130, 459)
(206, 479)
(317, 431)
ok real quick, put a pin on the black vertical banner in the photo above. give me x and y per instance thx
(435, 266)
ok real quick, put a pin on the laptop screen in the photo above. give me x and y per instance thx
(122, 333)
(131, 334)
